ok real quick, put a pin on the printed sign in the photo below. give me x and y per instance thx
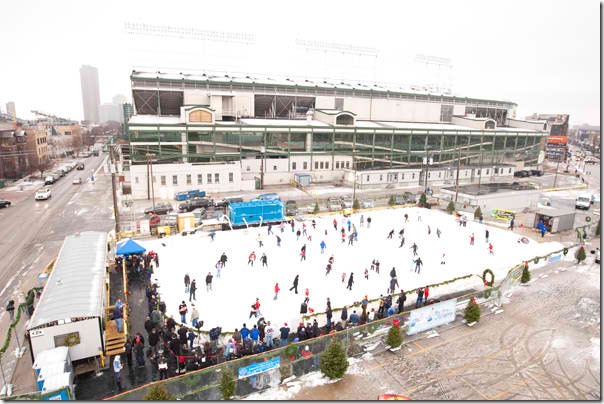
(259, 367)
(555, 258)
(431, 316)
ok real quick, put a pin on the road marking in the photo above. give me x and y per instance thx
(476, 362)
(418, 345)
(507, 391)
(436, 345)
(474, 388)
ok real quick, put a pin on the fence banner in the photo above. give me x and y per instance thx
(431, 316)
(555, 258)
(259, 367)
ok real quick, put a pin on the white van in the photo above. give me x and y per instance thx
(583, 202)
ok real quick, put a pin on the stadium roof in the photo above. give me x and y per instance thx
(297, 82)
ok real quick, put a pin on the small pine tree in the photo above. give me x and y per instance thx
(391, 201)
(477, 213)
(580, 255)
(158, 392)
(356, 204)
(472, 312)
(316, 209)
(451, 207)
(395, 337)
(423, 200)
(526, 275)
(227, 385)
(334, 361)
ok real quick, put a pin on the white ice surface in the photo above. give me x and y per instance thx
(228, 304)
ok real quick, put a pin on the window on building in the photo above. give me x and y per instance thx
(381, 177)
(395, 176)
(293, 165)
(510, 171)
(199, 179)
(231, 177)
(305, 165)
(337, 165)
(402, 176)
(439, 173)
(339, 104)
(412, 176)
(428, 175)
(316, 165)
(247, 168)
(216, 178)
(154, 179)
(163, 180)
(327, 165)
(136, 180)
(496, 170)
(487, 173)
(175, 180)
(274, 168)
(209, 177)
(367, 178)
(478, 172)
(188, 179)
(322, 165)
(348, 164)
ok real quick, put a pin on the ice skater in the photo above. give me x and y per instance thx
(304, 230)
(486, 235)
(276, 291)
(348, 224)
(223, 259)
(351, 239)
(429, 230)
(295, 286)
(335, 224)
(212, 235)
(368, 221)
(322, 246)
(192, 290)
(269, 229)
(366, 274)
(282, 226)
(327, 269)
(393, 285)
(350, 281)
(491, 249)
(406, 218)
(259, 239)
(442, 259)
(278, 241)
(472, 239)
(187, 283)
(414, 248)
(438, 232)
(251, 258)
(418, 264)
(402, 242)
(362, 220)
(209, 277)
(263, 260)
(314, 224)
(298, 235)
(343, 277)
(390, 234)
(218, 268)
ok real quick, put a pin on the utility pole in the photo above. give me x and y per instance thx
(262, 152)
(457, 175)
(556, 176)
(152, 183)
(113, 188)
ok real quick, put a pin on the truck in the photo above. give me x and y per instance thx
(291, 208)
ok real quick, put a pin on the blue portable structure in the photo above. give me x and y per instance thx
(193, 193)
(302, 180)
(129, 246)
(181, 196)
(270, 210)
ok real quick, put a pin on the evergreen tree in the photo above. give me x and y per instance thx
(356, 205)
(526, 275)
(391, 201)
(158, 392)
(227, 385)
(580, 255)
(477, 213)
(395, 337)
(423, 200)
(451, 207)
(316, 209)
(472, 312)
(334, 361)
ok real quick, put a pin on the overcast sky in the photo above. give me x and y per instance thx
(543, 55)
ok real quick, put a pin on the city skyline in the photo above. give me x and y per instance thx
(536, 64)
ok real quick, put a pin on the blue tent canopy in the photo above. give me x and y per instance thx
(129, 246)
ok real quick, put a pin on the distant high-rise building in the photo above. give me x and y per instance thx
(10, 109)
(110, 112)
(89, 78)
(127, 111)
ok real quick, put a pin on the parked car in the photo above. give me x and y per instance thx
(49, 180)
(367, 204)
(80, 166)
(537, 173)
(77, 181)
(225, 201)
(42, 194)
(194, 203)
(291, 208)
(405, 198)
(346, 203)
(334, 204)
(4, 203)
(583, 202)
(161, 208)
(267, 197)
(522, 174)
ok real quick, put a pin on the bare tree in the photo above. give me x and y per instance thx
(76, 144)
(35, 165)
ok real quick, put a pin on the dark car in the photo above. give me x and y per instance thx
(160, 209)
(4, 203)
(536, 173)
(522, 174)
(80, 166)
(404, 199)
(194, 203)
(225, 201)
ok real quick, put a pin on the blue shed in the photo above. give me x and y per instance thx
(269, 210)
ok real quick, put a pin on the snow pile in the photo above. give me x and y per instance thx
(312, 379)
(228, 303)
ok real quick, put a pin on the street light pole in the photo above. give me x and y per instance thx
(262, 151)
(457, 175)
(556, 176)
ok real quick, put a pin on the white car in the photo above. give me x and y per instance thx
(77, 181)
(367, 204)
(42, 194)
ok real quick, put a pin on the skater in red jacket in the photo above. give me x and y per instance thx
(251, 259)
(276, 291)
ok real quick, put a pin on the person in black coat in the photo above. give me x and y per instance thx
(153, 339)
(295, 286)
(304, 306)
(148, 325)
(223, 259)
(344, 315)
(315, 328)
(401, 301)
(182, 335)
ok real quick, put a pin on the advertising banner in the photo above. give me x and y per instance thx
(431, 316)
(557, 139)
(259, 367)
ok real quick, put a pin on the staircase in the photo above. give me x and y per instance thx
(114, 341)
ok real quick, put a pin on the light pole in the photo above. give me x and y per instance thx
(427, 161)
(556, 176)
(457, 174)
(150, 179)
(262, 153)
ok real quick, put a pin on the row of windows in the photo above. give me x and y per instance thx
(41, 140)
(189, 179)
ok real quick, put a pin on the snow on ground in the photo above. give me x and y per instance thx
(228, 304)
